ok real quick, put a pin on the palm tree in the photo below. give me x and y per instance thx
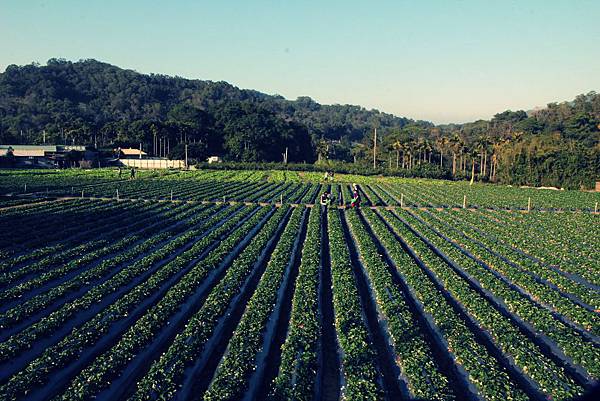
(397, 146)
(481, 144)
(496, 146)
(456, 146)
(473, 153)
(410, 148)
(441, 144)
(418, 146)
(464, 156)
(428, 148)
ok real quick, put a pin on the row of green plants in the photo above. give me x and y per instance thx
(360, 377)
(153, 236)
(87, 233)
(510, 249)
(489, 378)
(548, 243)
(60, 263)
(49, 324)
(523, 272)
(148, 189)
(66, 219)
(241, 359)
(312, 193)
(9, 202)
(440, 192)
(500, 196)
(542, 319)
(412, 352)
(99, 374)
(549, 377)
(14, 180)
(70, 348)
(166, 374)
(568, 232)
(65, 222)
(265, 194)
(299, 354)
(262, 191)
(386, 198)
(18, 237)
(332, 165)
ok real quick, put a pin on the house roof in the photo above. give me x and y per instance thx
(28, 150)
(47, 148)
(132, 152)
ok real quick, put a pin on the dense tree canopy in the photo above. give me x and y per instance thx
(97, 104)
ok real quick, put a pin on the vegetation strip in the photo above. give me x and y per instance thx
(167, 373)
(361, 379)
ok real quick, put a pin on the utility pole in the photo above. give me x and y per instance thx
(375, 150)
(140, 150)
(44, 134)
(186, 158)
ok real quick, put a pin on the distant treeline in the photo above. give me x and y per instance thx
(97, 104)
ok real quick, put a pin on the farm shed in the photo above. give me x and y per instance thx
(42, 155)
(131, 153)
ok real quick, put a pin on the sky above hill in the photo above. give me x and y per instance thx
(443, 61)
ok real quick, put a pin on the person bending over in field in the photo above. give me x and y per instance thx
(355, 199)
(326, 199)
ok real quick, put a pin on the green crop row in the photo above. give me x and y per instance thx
(232, 377)
(100, 373)
(570, 342)
(577, 313)
(484, 371)
(25, 339)
(357, 352)
(70, 347)
(414, 355)
(166, 374)
(41, 301)
(551, 378)
(71, 259)
(299, 355)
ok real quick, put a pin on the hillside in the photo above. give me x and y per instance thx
(99, 104)
(85, 98)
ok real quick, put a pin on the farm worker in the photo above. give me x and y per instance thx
(132, 173)
(355, 199)
(325, 199)
(120, 171)
(331, 176)
(326, 175)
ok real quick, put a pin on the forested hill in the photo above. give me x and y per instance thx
(94, 103)
(79, 100)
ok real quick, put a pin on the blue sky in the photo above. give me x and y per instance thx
(443, 61)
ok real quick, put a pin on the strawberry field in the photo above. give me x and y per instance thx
(221, 285)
